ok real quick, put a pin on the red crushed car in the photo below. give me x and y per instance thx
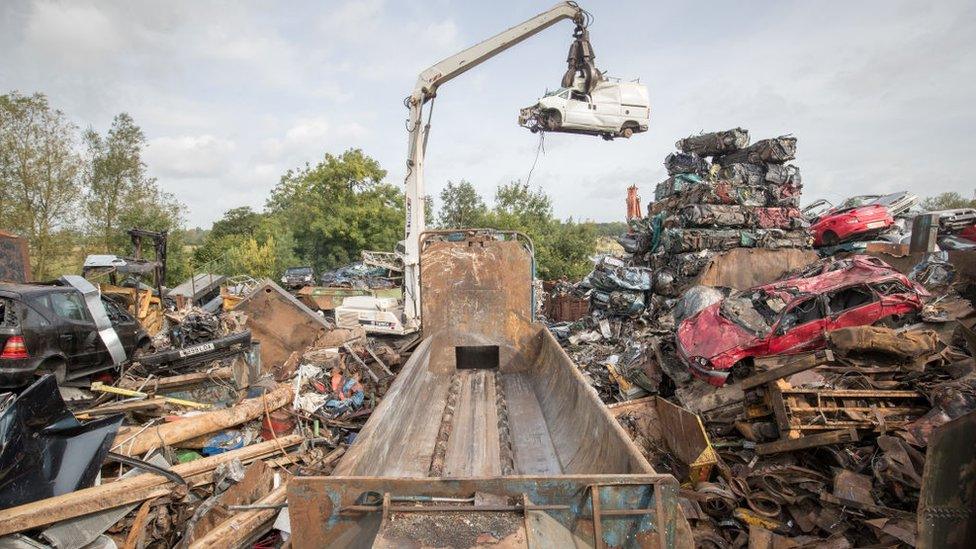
(841, 225)
(793, 315)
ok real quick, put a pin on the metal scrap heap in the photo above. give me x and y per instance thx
(747, 196)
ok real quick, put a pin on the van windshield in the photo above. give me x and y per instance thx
(556, 92)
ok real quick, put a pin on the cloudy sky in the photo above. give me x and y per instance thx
(232, 94)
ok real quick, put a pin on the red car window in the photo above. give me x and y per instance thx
(849, 298)
(891, 287)
(800, 314)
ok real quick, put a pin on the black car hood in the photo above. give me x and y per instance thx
(44, 450)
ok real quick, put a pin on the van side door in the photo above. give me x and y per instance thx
(606, 107)
(580, 111)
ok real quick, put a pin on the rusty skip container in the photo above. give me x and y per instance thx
(489, 434)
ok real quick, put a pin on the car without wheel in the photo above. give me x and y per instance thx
(48, 328)
(297, 277)
(794, 315)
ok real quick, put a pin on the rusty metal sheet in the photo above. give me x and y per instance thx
(743, 268)
(14, 259)
(947, 505)
(332, 511)
(282, 324)
(476, 291)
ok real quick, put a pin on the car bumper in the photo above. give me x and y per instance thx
(17, 372)
(711, 375)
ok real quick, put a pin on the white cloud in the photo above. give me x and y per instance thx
(308, 137)
(190, 156)
(232, 94)
(71, 32)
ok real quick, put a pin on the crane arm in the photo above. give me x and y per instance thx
(580, 61)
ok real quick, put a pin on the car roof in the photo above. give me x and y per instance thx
(17, 289)
(858, 269)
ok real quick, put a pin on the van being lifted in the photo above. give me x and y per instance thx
(611, 109)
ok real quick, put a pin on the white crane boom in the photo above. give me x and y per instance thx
(580, 61)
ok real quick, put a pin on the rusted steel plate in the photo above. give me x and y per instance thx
(328, 511)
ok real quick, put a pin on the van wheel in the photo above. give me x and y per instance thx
(554, 120)
(627, 132)
(55, 366)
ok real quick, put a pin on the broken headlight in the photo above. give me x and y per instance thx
(702, 362)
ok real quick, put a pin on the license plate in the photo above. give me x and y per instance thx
(875, 224)
(190, 351)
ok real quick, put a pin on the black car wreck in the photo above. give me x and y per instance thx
(65, 328)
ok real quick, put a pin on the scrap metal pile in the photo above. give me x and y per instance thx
(825, 448)
(828, 447)
(746, 197)
(190, 445)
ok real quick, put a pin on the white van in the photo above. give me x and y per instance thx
(611, 109)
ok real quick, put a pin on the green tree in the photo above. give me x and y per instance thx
(114, 171)
(947, 201)
(39, 175)
(120, 195)
(562, 248)
(240, 221)
(565, 249)
(338, 208)
(240, 231)
(253, 258)
(461, 206)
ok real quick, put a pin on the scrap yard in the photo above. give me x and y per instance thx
(754, 358)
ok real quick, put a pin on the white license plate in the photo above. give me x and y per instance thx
(190, 351)
(875, 224)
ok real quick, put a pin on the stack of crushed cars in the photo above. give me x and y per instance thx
(746, 197)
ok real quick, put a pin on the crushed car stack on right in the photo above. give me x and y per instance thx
(836, 396)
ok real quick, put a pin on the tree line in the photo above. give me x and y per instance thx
(74, 192)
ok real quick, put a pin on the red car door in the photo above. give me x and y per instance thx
(800, 328)
(853, 306)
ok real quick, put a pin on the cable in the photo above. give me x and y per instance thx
(146, 466)
(540, 149)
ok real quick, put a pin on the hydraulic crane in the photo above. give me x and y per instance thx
(581, 71)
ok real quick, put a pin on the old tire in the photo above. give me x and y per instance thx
(627, 132)
(741, 370)
(144, 348)
(830, 238)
